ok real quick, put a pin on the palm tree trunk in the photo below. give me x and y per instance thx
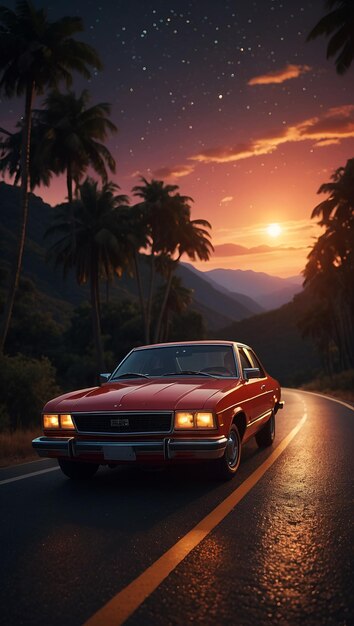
(25, 163)
(141, 295)
(158, 335)
(151, 294)
(69, 183)
(96, 324)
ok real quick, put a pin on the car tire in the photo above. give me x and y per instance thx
(266, 435)
(76, 470)
(227, 466)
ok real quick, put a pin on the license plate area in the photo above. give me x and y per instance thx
(119, 453)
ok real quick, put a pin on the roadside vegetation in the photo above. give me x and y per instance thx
(339, 385)
(98, 235)
(15, 446)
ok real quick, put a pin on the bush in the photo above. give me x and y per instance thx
(26, 385)
(342, 381)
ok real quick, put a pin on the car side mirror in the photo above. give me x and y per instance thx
(104, 378)
(251, 372)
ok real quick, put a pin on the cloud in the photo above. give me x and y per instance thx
(233, 249)
(279, 76)
(333, 126)
(174, 172)
(226, 199)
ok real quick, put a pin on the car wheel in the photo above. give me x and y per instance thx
(266, 435)
(77, 470)
(227, 466)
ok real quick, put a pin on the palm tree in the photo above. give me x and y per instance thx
(99, 248)
(36, 54)
(137, 238)
(10, 155)
(72, 136)
(330, 268)
(338, 25)
(159, 220)
(193, 239)
(178, 300)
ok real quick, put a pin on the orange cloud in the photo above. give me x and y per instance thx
(279, 76)
(333, 126)
(174, 172)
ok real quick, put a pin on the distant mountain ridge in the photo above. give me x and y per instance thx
(268, 291)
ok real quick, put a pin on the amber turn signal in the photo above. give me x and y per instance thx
(66, 422)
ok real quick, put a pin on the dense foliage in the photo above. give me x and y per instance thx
(329, 274)
(26, 384)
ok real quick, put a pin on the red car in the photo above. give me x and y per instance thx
(165, 403)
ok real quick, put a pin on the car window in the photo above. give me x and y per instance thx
(245, 360)
(213, 360)
(255, 361)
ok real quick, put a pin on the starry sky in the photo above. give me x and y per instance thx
(226, 99)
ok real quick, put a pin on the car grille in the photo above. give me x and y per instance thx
(123, 423)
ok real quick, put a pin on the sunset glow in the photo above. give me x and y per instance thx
(274, 230)
(240, 127)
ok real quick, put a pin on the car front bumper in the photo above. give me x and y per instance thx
(120, 451)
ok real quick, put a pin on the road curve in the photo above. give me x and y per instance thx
(281, 554)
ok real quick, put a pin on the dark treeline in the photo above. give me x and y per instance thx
(329, 275)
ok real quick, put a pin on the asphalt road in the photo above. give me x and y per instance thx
(283, 555)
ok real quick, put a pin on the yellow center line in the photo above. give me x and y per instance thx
(124, 603)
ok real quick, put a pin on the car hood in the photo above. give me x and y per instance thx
(152, 395)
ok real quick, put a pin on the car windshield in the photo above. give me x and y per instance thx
(178, 360)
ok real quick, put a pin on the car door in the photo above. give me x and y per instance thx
(265, 390)
(253, 387)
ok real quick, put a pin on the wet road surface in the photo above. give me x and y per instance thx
(283, 555)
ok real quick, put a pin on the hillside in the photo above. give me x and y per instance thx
(218, 308)
(276, 339)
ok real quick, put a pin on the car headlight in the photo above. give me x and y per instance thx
(57, 421)
(204, 419)
(184, 419)
(194, 419)
(51, 421)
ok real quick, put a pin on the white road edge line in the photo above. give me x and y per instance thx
(320, 395)
(13, 480)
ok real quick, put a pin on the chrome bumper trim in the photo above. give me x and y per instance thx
(69, 447)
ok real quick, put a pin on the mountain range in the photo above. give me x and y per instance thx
(268, 291)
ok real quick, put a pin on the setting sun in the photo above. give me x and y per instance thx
(274, 230)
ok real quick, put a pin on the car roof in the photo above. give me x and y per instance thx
(205, 342)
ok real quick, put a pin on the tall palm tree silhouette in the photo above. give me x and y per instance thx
(10, 155)
(35, 54)
(98, 248)
(72, 136)
(156, 211)
(330, 267)
(338, 26)
(192, 238)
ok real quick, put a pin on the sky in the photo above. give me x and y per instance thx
(227, 100)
